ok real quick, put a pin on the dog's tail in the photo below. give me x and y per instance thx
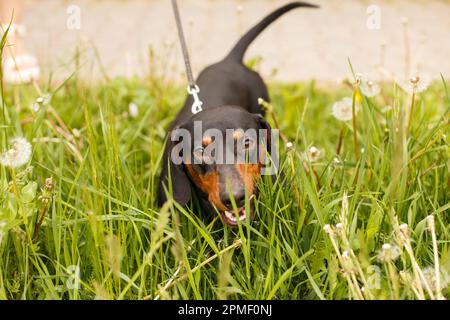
(238, 51)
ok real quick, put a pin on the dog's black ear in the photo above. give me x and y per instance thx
(175, 176)
(265, 138)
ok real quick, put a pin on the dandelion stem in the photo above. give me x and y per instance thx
(411, 111)
(393, 277)
(418, 293)
(352, 286)
(436, 257)
(417, 271)
(355, 137)
(341, 138)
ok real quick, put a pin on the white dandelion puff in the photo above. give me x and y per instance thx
(327, 228)
(430, 277)
(389, 252)
(133, 110)
(18, 154)
(342, 109)
(314, 154)
(289, 146)
(35, 106)
(416, 83)
(44, 99)
(403, 228)
(369, 88)
(40, 101)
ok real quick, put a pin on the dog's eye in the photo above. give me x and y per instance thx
(248, 143)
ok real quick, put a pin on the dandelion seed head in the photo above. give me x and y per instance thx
(414, 80)
(342, 110)
(133, 110)
(416, 83)
(35, 106)
(389, 252)
(289, 146)
(327, 228)
(314, 154)
(18, 154)
(44, 99)
(369, 88)
(430, 277)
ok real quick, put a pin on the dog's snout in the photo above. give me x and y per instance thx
(239, 198)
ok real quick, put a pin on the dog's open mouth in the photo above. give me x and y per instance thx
(231, 219)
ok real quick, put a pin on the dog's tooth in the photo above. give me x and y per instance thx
(242, 217)
(230, 216)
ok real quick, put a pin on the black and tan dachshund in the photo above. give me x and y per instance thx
(230, 92)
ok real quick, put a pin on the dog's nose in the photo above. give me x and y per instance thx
(239, 198)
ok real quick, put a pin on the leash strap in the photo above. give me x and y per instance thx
(192, 88)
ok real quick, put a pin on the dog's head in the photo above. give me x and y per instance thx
(220, 152)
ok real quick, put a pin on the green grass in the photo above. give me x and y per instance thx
(100, 219)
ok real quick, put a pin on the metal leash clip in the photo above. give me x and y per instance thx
(197, 105)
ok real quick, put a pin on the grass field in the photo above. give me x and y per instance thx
(79, 219)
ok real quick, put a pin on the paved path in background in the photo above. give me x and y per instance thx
(302, 45)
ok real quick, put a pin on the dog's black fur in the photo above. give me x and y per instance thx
(229, 92)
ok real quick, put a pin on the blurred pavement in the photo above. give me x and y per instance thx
(302, 45)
